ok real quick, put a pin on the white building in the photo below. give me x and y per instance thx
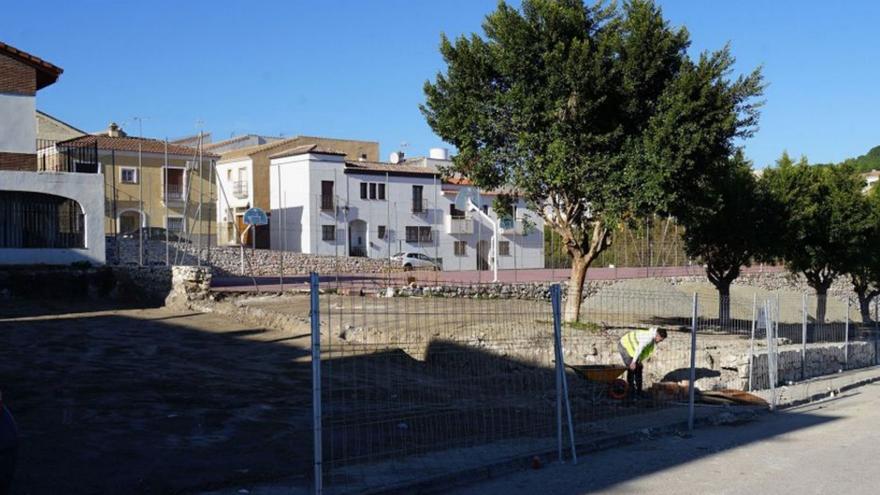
(323, 204)
(51, 198)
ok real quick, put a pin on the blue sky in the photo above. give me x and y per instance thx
(355, 69)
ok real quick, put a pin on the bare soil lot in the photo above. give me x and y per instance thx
(152, 400)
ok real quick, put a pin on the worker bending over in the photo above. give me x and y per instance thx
(635, 348)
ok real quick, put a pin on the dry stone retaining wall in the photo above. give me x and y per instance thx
(226, 260)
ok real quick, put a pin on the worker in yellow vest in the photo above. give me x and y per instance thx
(635, 348)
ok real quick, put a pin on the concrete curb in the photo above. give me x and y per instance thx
(725, 415)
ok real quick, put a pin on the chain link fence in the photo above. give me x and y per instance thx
(410, 386)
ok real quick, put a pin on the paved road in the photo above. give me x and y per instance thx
(829, 447)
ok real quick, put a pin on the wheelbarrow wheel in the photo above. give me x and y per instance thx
(617, 389)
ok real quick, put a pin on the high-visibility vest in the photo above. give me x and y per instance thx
(630, 342)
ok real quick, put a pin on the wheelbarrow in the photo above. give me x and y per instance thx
(604, 380)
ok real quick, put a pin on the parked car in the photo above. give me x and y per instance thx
(153, 234)
(413, 261)
(8, 447)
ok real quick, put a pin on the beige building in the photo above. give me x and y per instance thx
(243, 175)
(53, 129)
(142, 189)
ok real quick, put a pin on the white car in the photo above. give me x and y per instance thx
(413, 261)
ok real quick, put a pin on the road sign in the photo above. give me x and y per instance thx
(256, 216)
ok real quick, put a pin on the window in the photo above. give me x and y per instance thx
(382, 232)
(372, 190)
(460, 248)
(175, 224)
(418, 204)
(455, 212)
(328, 232)
(128, 175)
(503, 248)
(418, 235)
(486, 209)
(327, 195)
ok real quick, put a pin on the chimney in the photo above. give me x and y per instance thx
(115, 131)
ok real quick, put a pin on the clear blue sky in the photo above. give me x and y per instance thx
(355, 69)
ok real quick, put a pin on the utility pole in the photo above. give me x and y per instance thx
(143, 218)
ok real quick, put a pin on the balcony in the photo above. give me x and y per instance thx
(53, 156)
(240, 189)
(327, 202)
(509, 226)
(458, 224)
(173, 192)
(419, 206)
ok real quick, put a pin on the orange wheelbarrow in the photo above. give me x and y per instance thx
(604, 380)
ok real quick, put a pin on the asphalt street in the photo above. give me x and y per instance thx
(831, 446)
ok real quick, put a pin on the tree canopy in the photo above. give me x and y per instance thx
(823, 220)
(595, 114)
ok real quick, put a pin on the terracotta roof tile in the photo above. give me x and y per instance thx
(390, 168)
(130, 143)
(47, 73)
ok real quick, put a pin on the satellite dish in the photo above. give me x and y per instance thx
(396, 157)
(464, 194)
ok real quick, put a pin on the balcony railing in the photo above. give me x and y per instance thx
(174, 192)
(240, 189)
(459, 224)
(61, 156)
(327, 202)
(419, 206)
(509, 226)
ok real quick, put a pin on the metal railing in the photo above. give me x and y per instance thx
(419, 206)
(174, 192)
(240, 189)
(327, 202)
(62, 156)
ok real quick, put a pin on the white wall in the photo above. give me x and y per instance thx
(85, 189)
(297, 192)
(226, 185)
(18, 126)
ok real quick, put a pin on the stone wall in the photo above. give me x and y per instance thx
(226, 261)
(822, 359)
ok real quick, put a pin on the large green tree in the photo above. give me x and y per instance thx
(595, 114)
(824, 220)
(863, 257)
(733, 230)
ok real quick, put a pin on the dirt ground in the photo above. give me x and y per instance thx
(152, 400)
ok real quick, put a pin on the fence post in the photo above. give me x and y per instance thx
(846, 337)
(315, 317)
(693, 375)
(804, 337)
(771, 354)
(561, 379)
(876, 328)
(752, 338)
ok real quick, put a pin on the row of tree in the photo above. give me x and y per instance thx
(817, 220)
(598, 116)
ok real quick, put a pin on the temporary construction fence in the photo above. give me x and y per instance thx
(409, 389)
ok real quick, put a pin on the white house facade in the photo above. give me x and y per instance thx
(323, 204)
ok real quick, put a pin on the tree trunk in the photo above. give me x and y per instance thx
(821, 304)
(865, 306)
(574, 296)
(723, 303)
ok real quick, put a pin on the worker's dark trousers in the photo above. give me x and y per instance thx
(633, 378)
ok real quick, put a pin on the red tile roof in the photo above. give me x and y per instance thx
(130, 143)
(46, 73)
